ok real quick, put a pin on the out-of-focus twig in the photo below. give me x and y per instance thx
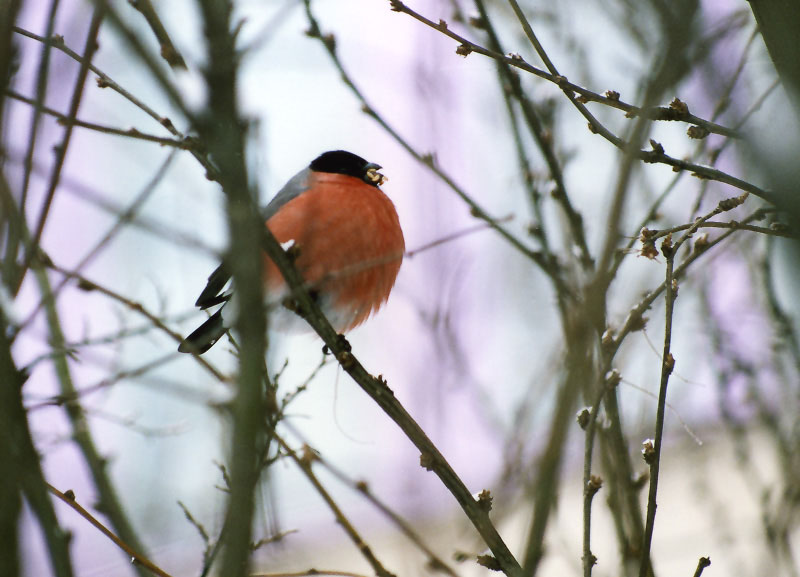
(223, 127)
(105, 81)
(23, 473)
(77, 96)
(183, 143)
(123, 219)
(544, 141)
(168, 50)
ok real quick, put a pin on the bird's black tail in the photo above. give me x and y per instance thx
(205, 336)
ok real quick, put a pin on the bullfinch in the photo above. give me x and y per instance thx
(346, 240)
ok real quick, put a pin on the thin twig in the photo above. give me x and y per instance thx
(634, 318)
(77, 96)
(591, 484)
(304, 464)
(65, 120)
(653, 458)
(69, 499)
(42, 77)
(735, 225)
(105, 81)
(453, 236)
(701, 565)
(544, 141)
(91, 285)
(649, 113)
(653, 113)
(111, 380)
(435, 563)
(151, 62)
(667, 365)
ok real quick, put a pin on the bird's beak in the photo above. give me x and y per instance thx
(372, 175)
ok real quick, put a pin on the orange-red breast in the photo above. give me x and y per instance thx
(347, 242)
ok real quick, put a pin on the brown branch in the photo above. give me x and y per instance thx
(652, 454)
(675, 113)
(435, 563)
(545, 143)
(652, 113)
(151, 62)
(42, 77)
(77, 96)
(378, 390)
(137, 558)
(701, 565)
(186, 143)
(633, 321)
(591, 484)
(776, 230)
(304, 464)
(105, 81)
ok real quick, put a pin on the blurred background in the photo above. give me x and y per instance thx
(475, 340)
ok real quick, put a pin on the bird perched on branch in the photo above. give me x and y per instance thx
(344, 235)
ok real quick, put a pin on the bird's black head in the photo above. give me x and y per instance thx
(349, 164)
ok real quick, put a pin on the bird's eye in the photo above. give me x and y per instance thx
(372, 175)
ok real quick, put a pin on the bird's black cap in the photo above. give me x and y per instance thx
(342, 162)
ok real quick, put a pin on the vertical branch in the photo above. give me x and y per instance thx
(535, 127)
(61, 149)
(22, 473)
(90, 47)
(579, 369)
(652, 453)
(574, 219)
(224, 130)
(108, 501)
(591, 483)
(10, 269)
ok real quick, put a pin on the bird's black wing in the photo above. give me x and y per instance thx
(212, 295)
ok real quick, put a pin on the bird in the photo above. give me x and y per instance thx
(345, 238)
